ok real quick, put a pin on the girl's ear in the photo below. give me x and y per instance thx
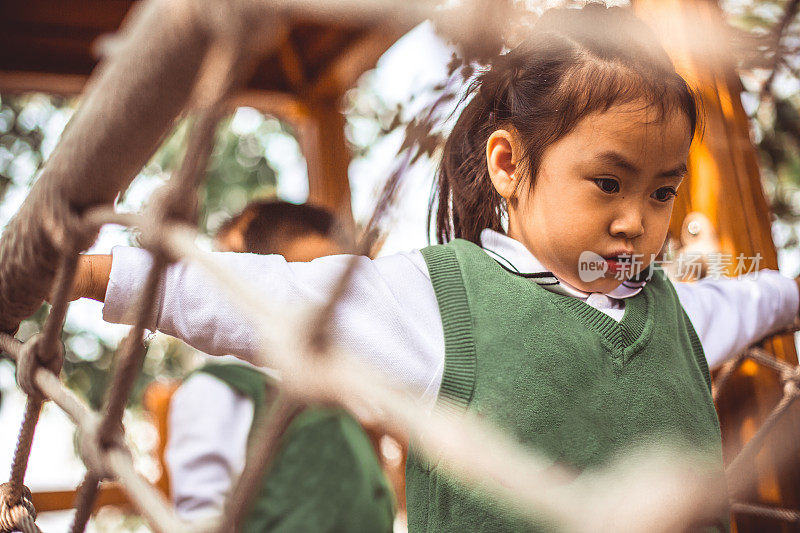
(502, 157)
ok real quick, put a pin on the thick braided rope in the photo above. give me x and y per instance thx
(19, 465)
(787, 515)
(42, 350)
(36, 243)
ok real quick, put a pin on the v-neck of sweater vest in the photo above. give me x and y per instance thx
(623, 339)
(629, 334)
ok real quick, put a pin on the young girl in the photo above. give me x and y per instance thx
(580, 136)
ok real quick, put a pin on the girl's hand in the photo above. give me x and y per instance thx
(91, 278)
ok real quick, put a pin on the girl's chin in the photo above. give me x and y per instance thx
(603, 284)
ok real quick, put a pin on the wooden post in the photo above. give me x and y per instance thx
(327, 156)
(156, 400)
(724, 184)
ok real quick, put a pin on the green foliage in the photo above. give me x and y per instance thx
(774, 100)
(23, 121)
(237, 172)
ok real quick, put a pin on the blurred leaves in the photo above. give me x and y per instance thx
(772, 99)
(239, 171)
(24, 121)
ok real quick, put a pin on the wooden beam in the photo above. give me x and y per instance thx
(359, 57)
(292, 66)
(43, 82)
(60, 500)
(102, 15)
(284, 106)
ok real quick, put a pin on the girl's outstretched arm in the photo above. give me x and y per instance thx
(730, 314)
(389, 317)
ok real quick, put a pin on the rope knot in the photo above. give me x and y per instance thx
(92, 447)
(791, 389)
(34, 353)
(791, 375)
(68, 231)
(15, 515)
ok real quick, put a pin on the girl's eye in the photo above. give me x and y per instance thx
(664, 194)
(607, 185)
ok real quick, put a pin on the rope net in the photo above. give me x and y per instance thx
(190, 55)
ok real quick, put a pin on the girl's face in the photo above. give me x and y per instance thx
(605, 189)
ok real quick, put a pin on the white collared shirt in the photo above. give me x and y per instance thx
(514, 256)
(389, 317)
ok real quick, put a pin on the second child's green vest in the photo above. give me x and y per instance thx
(558, 376)
(325, 476)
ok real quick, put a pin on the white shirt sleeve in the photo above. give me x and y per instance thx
(730, 314)
(207, 440)
(389, 317)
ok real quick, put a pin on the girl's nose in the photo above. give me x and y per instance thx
(628, 224)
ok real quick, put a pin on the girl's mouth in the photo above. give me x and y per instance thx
(618, 263)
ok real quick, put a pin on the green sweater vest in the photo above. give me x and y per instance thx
(325, 478)
(557, 375)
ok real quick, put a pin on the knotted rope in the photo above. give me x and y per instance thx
(35, 353)
(45, 349)
(16, 510)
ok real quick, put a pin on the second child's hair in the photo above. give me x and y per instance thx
(267, 226)
(575, 62)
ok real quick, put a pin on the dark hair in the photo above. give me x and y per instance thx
(267, 226)
(575, 62)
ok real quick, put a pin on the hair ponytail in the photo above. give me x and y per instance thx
(467, 199)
